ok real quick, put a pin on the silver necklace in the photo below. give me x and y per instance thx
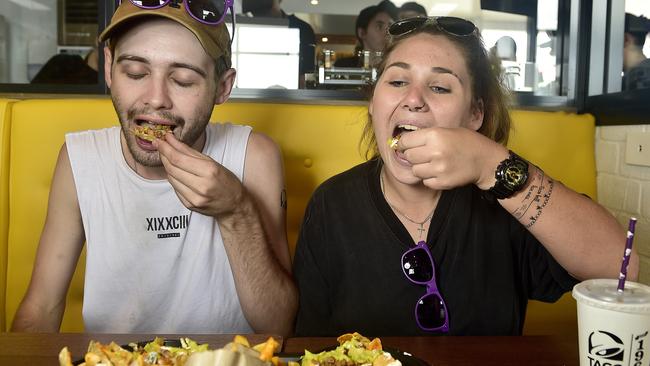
(421, 229)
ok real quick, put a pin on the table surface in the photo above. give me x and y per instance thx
(43, 348)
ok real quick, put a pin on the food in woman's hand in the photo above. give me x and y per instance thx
(354, 350)
(397, 134)
(392, 142)
(152, 132)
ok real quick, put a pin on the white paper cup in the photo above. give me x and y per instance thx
(613, 326)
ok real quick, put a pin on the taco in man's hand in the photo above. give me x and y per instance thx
(354, 350)
(152, 132)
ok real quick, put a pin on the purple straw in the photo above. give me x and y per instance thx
(626, 256)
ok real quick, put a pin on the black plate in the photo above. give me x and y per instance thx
(286, 357)
(405, 358)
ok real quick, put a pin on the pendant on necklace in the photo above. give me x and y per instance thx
(421, 230)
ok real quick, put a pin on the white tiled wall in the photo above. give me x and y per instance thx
(625, 189)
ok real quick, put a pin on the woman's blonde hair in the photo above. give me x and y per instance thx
(488, 90)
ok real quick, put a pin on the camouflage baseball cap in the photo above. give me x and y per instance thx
(215, 39)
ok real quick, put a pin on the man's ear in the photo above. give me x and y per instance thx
(627, 40)
(224, 86)
(361, 34)
(476, 117)
(108, 62)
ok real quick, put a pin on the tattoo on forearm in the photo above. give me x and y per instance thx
(537, 197)
(283, 199)
(534, 190)
(539, 208)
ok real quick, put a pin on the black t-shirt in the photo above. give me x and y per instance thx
(66, 69)
(348, 263)
(638, 77)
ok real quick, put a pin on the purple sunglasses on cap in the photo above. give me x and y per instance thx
(211, 12)
(430, 310)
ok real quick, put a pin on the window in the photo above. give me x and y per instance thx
(530, 37)
(49, 42)
(266, 56)
(619, 77)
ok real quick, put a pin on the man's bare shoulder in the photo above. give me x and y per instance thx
(262, 146)
(63, 160)
(263, 162)
(63, 185)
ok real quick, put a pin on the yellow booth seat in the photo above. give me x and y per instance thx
(37, 133)
(5, 120)
(317, 142)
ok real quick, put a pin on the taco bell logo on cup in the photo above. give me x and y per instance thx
(606, 348)
(613, 327)
(606, 345)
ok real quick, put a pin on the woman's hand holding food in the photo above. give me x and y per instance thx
(202, 184)
(445, 158)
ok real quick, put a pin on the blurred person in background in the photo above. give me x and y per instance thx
(411, 9)
(66, 68)
(370, 29)
(635, 64)
(504, 53)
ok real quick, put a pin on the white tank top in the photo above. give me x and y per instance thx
(152, 265)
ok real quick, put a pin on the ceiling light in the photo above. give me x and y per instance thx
(324, 39)
(314, 2)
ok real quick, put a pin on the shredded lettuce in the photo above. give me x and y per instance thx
(354, 349)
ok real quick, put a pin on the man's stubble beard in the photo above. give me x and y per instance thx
(190, 131)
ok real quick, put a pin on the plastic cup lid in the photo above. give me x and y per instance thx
(603, 293)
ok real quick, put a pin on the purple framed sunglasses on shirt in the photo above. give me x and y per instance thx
(430, 310)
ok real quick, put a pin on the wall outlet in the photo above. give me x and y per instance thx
(637, 148)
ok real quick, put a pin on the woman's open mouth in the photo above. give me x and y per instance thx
(397, 133)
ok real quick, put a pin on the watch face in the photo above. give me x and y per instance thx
(511, 176)
(515, 174)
